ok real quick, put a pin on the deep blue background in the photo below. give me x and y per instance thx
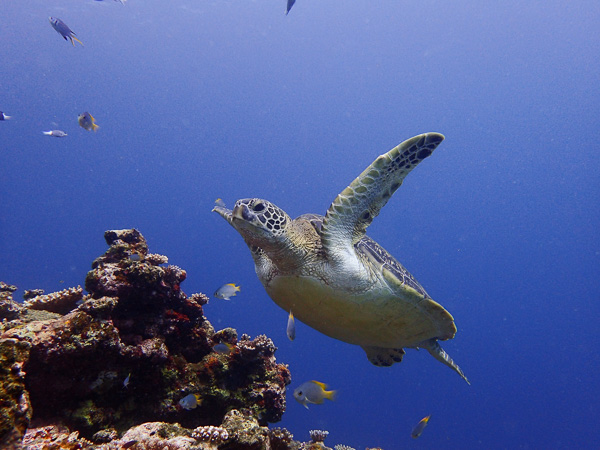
(204, 99)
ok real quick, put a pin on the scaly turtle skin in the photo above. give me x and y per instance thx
(339, 281)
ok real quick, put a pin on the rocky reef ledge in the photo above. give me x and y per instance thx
(109, 369)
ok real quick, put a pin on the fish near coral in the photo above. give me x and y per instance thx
(87, 121)
(223, 348)
(64, 30)
(227, 291)
(313, 392)
(190, 401)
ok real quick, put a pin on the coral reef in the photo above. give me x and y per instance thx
(108, 370)
(130, 350)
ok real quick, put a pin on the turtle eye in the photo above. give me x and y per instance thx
(258, 207)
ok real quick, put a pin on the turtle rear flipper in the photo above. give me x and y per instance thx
(435, 350)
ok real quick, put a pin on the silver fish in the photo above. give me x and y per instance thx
(313, 392)
(227, 291)
(55, 133)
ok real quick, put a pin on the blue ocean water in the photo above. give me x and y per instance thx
(203, 99)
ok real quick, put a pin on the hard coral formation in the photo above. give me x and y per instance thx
(132, 349)
(60, 302)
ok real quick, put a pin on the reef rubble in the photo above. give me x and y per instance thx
(109, 368)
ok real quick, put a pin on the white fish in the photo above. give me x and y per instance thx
(55, 133)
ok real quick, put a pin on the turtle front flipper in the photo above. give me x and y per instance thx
(435, 350)
(355, 207)
(384, 357)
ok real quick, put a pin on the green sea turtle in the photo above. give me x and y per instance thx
(335, 278)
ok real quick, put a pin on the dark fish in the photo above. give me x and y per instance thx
(290, 3)
(4, 116)
(416, 432)
(64, 30)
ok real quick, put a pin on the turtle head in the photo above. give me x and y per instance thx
(260, 222)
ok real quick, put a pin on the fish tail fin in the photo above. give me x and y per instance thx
(331, 395)
(95, 127)
(47, 133)
(73, 37)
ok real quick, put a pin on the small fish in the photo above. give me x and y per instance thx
(224, 348)
(291, 327)
(227, 291)
(4, 116)
(290, 3)
(87, 121)
(135, 257)
(126, 381)
(55, 133)
(313, 392)
(63, 29)
(220, 202)
(416, 432)
(190, 401)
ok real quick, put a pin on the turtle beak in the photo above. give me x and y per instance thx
(224, 213)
